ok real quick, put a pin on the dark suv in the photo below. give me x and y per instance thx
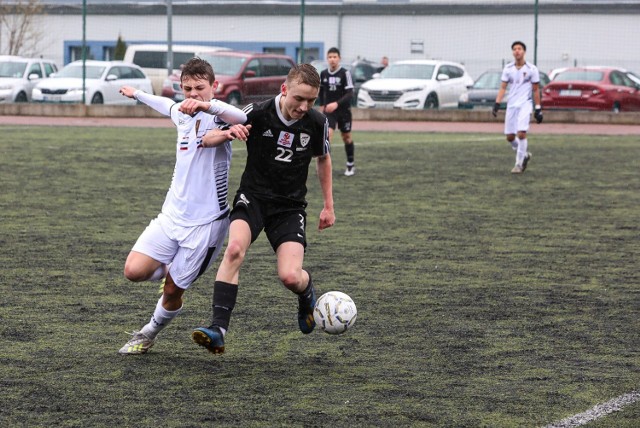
(243, 77)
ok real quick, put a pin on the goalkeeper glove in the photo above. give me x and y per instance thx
(538, 114)
(496, 107)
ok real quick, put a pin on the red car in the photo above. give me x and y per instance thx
(243, 77)
(592, 88)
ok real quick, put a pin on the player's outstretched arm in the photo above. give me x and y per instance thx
(224, 111)
(160, 104)
(327, 215)
(218, 136)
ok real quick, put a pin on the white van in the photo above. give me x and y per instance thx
(152, 59)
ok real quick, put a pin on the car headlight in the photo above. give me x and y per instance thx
(416, 89)
(464, 98)
(5, 87)
(363, 91)
(74, 91)
(220, 88)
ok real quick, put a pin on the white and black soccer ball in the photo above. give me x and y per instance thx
(335, 312)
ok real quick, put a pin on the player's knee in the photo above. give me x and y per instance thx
(134, 273)
(522, 135)
(290, 279)
(172, 294)
(234, 253)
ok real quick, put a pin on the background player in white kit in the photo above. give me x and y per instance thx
(181, 243)
(523, 79)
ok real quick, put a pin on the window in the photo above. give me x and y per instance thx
(35, 69)
(75, 53)
(49, 69)
(254, 66)
(271, 50)
(108, 52)
(284, 66)
(150, 59)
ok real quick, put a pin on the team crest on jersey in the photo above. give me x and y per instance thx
(304, 139)
(285, 139)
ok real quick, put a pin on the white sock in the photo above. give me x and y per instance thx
(159, 273)
(160, 319)
(522, 151)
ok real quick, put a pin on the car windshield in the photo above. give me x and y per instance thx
(222, 64)
(488, 81)
(12, 69)
(93, 71)
(580, 75)
(408, 71)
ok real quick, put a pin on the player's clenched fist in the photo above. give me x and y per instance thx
(496, 107)
(538, 114)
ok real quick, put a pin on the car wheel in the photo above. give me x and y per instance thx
(97, 98)
(431, 102)
(234, 99)
(616, 108)
(21, 98)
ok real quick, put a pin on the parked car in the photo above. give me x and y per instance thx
(103, 80)
(361, 71)
(18, 76)
(592, 88)
(152, 58)
(484, 91)
(243, 77)
(416, 84)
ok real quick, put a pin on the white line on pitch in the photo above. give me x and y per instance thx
(598, 411)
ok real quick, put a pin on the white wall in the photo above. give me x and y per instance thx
(480, 41)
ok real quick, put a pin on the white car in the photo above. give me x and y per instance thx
(18, 76)
(416, 84)
(103, 80)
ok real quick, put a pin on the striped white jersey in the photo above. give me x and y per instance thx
(200, 184)
(520, 81)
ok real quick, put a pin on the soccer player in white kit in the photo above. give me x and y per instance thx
(182, 242)
(523, 80)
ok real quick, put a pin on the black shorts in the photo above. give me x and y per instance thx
(281, 222)
(340, 117)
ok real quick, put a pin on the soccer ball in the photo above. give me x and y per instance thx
(335, 312)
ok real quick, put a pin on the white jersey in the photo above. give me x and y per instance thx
(520, 82)
(200, 183)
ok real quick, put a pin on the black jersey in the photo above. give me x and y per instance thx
(279, 152)
(337, 87)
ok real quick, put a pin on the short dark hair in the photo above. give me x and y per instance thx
(198, 68)
(518, 42)
(334, 50)
(304, 73)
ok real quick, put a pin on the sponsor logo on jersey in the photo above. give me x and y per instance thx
(267, 133)
(304, 139)
(285, 139)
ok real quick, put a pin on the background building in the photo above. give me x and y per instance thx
(477, 33)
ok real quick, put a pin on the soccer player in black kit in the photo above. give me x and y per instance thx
(282, 135)
(336, 91)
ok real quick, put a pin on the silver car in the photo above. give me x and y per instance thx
(102, 83)
(18, 76)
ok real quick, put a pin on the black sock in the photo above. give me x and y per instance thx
(224, 300)
(349, 149)
(307, 294)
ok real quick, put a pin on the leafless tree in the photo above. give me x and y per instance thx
(20, 33)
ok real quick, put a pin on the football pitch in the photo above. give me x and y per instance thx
(484, 299)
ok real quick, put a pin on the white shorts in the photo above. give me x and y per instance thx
(517, 118)
(190, 250)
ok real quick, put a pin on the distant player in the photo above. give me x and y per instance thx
(336, 91)
(182, 242)
(523, 80)
(283, 135)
